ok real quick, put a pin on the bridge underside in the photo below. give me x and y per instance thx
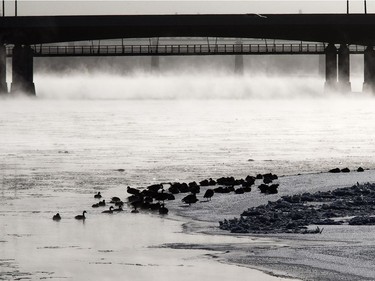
(331, 28)
(343, 29)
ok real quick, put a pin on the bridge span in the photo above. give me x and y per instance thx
(105, 50)
(339, 34)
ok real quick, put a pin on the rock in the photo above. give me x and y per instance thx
(307, 197)
(360, 169)
(345, 170)
(291, 214)
(363, 220)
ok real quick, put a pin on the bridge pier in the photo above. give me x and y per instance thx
(238, 59)
(238, 64)
(155, 60)
(155, 63)
(369, 70)
(3, 71)
(331, 68)
(22, 70)
(344, 69)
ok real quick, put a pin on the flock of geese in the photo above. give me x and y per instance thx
(153, 197)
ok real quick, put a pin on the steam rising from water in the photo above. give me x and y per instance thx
(184, 86)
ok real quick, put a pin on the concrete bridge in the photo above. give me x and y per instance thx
(339, 32)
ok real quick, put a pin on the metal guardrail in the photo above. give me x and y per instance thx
(182, 50)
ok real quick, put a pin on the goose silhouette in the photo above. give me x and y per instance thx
(208, 194)
(56, 217)
(81, 217)
(119, 209)
(163, 210)
(110, 211)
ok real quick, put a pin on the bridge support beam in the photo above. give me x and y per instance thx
(331, 68)
(238, 64)
(344, 69)
(155, 63)
(22, 70)
(3, 70)
(369, 70)
(238, 59)
(321, 66)
(155, 60)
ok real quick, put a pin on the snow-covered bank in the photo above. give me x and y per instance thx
(339, 253)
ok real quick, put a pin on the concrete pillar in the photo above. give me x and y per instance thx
(154, 59)
(22, 70)
(331, 68)
(321, 66)
(369, 70)
(238, 59)
(238, 64)
(344, 69)
(3, 70)
(155, 63)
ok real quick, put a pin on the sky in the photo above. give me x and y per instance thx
(89, 7)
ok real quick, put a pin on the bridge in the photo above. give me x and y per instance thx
(181, 50)
(341, 34)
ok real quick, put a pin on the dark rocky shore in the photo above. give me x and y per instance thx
(293, 214)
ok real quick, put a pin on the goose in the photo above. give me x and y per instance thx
(132, 190)
(56, 217)
(81, 217)
(208, 194)
(101, 203)
(115, 199)
(163, 210)
(119, 209)
(119, 204)
(98, 196)
(191, 198)
(110, 211)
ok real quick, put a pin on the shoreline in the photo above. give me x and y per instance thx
(279, 256)
(324, 248)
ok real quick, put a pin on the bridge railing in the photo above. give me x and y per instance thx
(181, 49)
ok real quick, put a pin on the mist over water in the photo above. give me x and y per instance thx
(202, 85)
(177, 124)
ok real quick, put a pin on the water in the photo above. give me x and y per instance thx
(56, 153)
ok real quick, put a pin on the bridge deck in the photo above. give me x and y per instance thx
(330, 28)
(182, 50)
